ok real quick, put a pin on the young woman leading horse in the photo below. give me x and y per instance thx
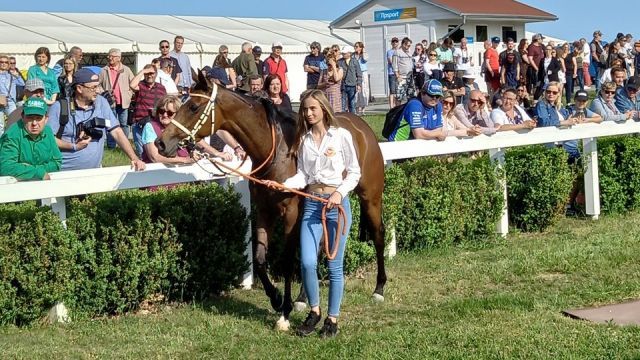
(269, 138)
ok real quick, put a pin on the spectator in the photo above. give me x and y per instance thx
(223, 72)
(510, 70)
(471, 113)
(115, 79)
(586, 61)
(28, 150)
(535, 53)
(580, 112)
(463, 58)
(627, 97)
(492, 66)
(65, 80)
(273, 87)
(76, 53)
(244, 66)
(32, 88)
(148, 94)
(351, 81)
(176, 70)
(548, 114)
(510, 116)
(81, 133)
(524, 99)
(312, 65)
(524, 60)
(432, 68)
(422, 116)
(276, 65)
(331, 82)
(403, 69)
(7, 91)
(19, 79)
(419, 59)
(257, 53)
(548, 69)
(255, 84)
(165, 111)
(393, 81)
(469, 80)
(451, 82)
(42, 71)
(604, 105)
(558, 53)
(450, 123)
(164, 77)
(607, 74)
(571, 65)
(598, 58)
(511, 49)
(362, 98)
(445, 52)
(186, 80)
(636, 60)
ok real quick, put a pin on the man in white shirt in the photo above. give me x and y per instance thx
(463, 58)
(586, 61)
(164, 77)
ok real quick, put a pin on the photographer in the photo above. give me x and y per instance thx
(81, 124)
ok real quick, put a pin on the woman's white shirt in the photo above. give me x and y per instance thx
(325, 164)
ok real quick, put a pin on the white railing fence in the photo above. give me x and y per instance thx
(79, 182)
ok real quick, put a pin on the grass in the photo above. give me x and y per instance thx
(501, 300)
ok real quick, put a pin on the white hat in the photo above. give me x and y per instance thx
(276, 44)
(347, 49)
(468, 74)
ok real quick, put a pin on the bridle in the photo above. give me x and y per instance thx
(189, 141)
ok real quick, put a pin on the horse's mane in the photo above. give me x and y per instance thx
(275, 115)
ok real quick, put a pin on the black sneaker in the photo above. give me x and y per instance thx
(329, 329)
(309, 325)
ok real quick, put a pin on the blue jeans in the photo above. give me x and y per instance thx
(311, 236)
(121, 115)
(136, 130)
(349, 98)
(569, 88)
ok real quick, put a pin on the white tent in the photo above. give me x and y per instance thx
(138, 35)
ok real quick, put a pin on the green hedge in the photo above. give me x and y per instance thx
(120, 249)
(619, 164)
(538, 184)
(447, 203)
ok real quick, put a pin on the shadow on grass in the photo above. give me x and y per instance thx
(233, 306)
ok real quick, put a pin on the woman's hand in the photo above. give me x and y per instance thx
(529, 124)
(225, 156)
(274, 185)
(334, 199)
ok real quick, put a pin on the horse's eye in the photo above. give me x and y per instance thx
(194, 108)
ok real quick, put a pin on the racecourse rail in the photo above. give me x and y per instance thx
(80, 182)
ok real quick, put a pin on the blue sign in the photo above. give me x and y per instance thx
(469, 39)
(395, 14)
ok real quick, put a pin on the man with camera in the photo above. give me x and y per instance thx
(81, 123)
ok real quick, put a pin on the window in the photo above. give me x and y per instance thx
(457, 35)
(481, 33)
(508, 32)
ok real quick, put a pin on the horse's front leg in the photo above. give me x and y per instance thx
(264, 230)
(291, 236)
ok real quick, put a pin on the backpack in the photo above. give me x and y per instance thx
(392, 118)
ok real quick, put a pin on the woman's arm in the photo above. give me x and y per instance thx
(153, 154)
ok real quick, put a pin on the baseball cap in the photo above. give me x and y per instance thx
(582, 95)
(394, 39)
(34, 106)
(432, 87)
(468, 74)
(257, 50)
(633, 82)
(84, 76)
(495, 40)
(276, 44)
(34, 84)
(347, 49)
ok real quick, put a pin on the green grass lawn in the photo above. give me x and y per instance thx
(502, 300)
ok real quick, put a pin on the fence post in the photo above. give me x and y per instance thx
(392, 247)
(591, 178)
(59, 206)
(497, 157)
(241, 186)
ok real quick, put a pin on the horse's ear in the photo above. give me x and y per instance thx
(202, 83)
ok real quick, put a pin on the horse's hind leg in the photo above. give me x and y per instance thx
(291, 235)
(371, 212)
(264, 229)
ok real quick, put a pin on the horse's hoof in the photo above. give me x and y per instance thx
(299, 306)
(282, 324)
(377, 298)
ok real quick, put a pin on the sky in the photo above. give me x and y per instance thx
(577, 18)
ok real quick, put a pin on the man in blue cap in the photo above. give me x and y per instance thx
(422, 116)
(28, 150)
(81, 125)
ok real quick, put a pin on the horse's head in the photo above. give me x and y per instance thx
(194, 119)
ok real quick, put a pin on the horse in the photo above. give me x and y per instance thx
(251, 121)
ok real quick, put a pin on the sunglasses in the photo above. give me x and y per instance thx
(552, 92)
(12, 63)
(520, 90)
(4, 62)
(433, 96)
(168, 112)
(610, 92)
(433, 54)
(164, 47)
(477, 101)
(445, 102)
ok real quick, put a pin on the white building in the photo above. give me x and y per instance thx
(378, 21)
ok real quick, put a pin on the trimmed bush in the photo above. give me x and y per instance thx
(447, 203)
(619, 162)
(35, 263)
(538, 184)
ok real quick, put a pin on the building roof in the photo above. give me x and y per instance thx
(493, 7)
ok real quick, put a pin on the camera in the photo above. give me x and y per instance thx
(92, 128)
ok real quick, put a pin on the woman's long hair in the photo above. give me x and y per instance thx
(558, 103)
(328, 119)
(69, 57)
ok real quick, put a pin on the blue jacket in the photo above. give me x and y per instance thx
(599, 106)
(624, 103)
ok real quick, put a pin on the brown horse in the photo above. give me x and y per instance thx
(251, 122)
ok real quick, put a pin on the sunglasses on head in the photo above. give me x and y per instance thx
(168, 112)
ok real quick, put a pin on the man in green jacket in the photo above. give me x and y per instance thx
(245, 66)
(28, 150)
